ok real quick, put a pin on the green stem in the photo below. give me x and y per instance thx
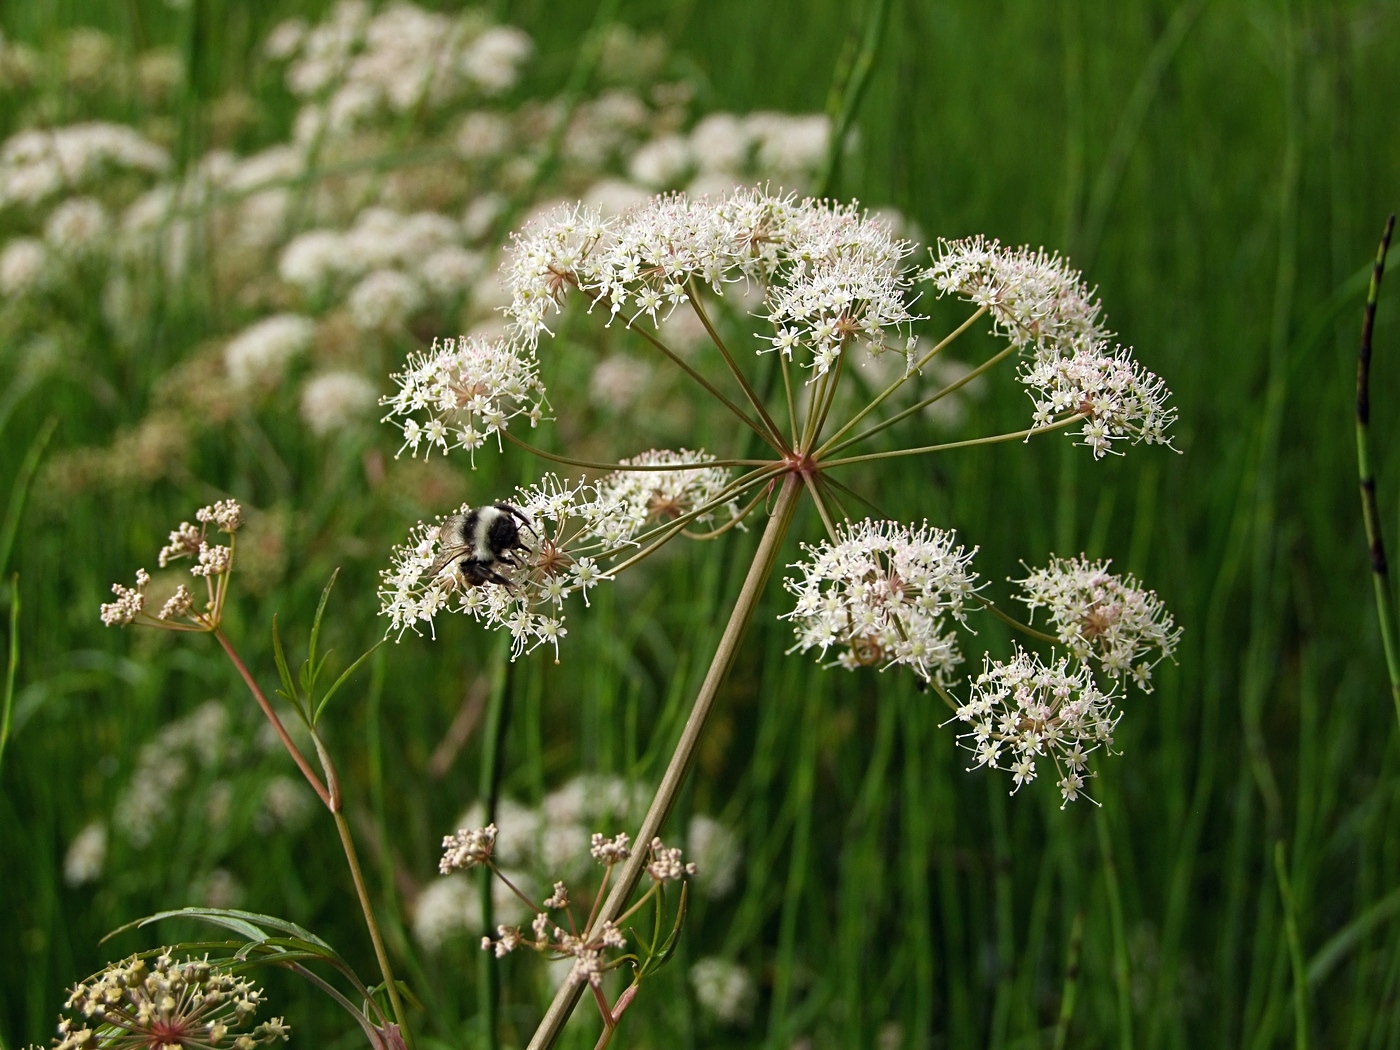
(1380, 571)
(885, 394)
(1122, 976)
(493, 743)
(1014, 623)
(994, 439)
(1067, 997)
(11, 668)
(297, 756)
(811, 483)
(951, 388)
(774, 434)
(1295, 949)
(387, 971)
(765, 558)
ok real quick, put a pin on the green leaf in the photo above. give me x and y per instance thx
(19, 492)
(249, 924)
(289, 689)
(11, 668)
(341, 680)
(311, 668)
(668, 949)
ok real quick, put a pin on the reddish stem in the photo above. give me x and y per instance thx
(297, 757)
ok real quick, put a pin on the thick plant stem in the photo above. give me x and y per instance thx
(764, 560)
(1380, 571)
(493, 741)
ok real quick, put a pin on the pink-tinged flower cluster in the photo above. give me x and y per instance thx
(831, 275)
(1120, 400)
(464, 391)
(885, 594)
(1034, 299)
(1024, 710)
(1109, 619)
(139, 1003)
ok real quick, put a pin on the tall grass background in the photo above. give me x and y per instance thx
(1221, 170)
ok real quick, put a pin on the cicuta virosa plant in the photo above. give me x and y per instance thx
(827, 290)
(823, 290)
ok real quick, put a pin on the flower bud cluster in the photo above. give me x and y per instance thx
(1024, 710)
(588, 951)
(213, 563)
(466, 848)
(140, 1003)
(462, 392)
(1121, 626)
(884, 593)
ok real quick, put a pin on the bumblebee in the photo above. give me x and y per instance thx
(474, 542)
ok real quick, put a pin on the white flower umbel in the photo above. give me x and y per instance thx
(724, 989)
(884, 594)
(569, 531)
(141, 1003)
(649, 496)
(1119, 399)
(1025, 710)
(571, 535)
(541, 264)
(832, 274)
(1102, 617)
(1034, 298)
(464, 391)
(259, 355)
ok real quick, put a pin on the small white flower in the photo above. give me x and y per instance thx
(259, 355)
(724, 990)
(384, 299)
(24, 267)
(717, 852)
(335, 401)
(77, 227)
(1121, 400)
(86, 856)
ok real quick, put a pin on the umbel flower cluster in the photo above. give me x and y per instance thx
(474, 847)
(828, 287)
(212, 562)
(140, 1004)
(572, 535)
(1024, 709)
(885, 594)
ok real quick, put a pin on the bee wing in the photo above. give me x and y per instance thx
(448, 555)
(450, 532)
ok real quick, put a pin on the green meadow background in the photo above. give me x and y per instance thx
(1221, 170)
